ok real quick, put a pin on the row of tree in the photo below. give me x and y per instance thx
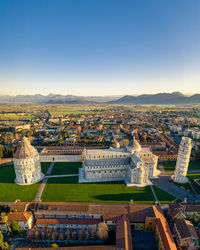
(6, 152)
(99, 232)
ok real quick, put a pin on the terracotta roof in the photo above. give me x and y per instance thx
(19, 216)
(19, 206)
(164, 229)
(25, 150)
(182, 228)
(192, 208)
(108, 210)
(123, 233)
(68, 221)
(102, 247)
(139, 212)
(175, 208)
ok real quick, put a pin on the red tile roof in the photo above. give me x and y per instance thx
(104, 247)
(68, 221)
(164, 229)
(19, 216)
(123, 233)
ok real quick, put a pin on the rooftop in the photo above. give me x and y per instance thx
(25, 150)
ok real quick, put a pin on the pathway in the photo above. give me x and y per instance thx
(194, 171)
(43, 184)
(164, 183)
(155, 196)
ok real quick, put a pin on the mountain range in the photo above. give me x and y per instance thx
(160, 98)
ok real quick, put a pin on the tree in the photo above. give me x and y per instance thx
(1, 152)
(4, 217)
(3, 244)
(81, 234)
(102, 232)
(15, 228)
(54, 245)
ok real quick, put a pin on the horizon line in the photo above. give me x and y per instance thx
(183, 93)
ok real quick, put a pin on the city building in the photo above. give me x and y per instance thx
(24, 219)
(183, 159)
(27, 164)
(68, 219)
(133, 164)
(182, 217)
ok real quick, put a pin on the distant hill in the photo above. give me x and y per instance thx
(160, 98)
(56, 99)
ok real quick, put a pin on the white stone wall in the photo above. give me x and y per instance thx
(183, 159)
(28, 171)
(52, 158)
(107, 171)
(136, 168)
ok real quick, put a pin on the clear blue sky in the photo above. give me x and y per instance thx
(99, 47)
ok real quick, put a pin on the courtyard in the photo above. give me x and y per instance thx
(61, 168)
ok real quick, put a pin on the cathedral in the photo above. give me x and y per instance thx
(133, 164)
(27, 164)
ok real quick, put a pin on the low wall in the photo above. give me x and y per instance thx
(6, 161)
(52, 158)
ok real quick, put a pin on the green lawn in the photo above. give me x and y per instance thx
(67, 189)
(163, 196)
(60, 168)
(193, 176)
(170, 165)
(9, 191)
(187, 186)
(194, 165)
(45, 166)
(76, 109)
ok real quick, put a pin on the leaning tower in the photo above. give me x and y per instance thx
(27, 164)
(183, 160)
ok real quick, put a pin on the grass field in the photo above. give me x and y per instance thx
(9, 191)
(187, 185)
(75, 109)
(68, 189)
(45, 166)
(66, 168)
(163, 196)
(193, 176)
(170, 165)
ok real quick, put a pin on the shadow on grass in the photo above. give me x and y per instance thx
(137, 196)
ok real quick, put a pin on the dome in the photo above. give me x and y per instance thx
(116, 144)
(25, 150)
(134, 146)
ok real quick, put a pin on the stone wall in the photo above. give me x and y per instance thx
(6, 161)
(61, 158)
